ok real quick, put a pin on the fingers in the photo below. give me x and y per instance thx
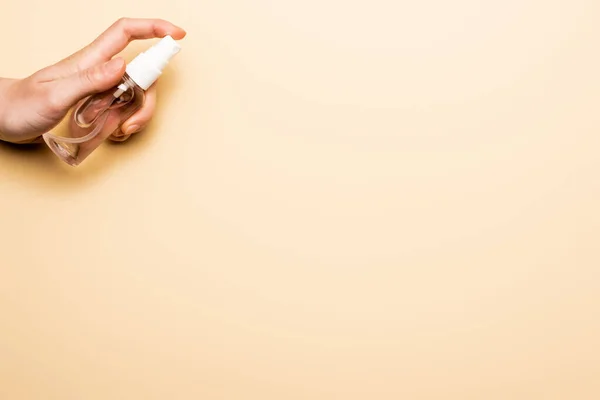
(140, 119)
(119, 35)
(68, 91)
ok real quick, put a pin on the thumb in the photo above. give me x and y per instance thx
(90, 81)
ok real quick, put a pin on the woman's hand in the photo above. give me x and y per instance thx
(32, 106)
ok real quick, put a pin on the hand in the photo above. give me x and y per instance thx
(33, 106)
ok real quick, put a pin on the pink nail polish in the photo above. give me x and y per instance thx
(101, 115)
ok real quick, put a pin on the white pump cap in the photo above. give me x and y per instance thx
(145, 69)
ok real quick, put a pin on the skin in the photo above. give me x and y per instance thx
(33, 106)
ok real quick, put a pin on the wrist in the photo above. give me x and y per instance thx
(4, 84)
(5, 108)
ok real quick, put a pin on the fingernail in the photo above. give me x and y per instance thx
(120, 138)
(132, 129)
(114, 65)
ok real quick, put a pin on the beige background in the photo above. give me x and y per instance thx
(337, 200)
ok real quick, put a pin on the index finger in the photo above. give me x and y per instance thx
(119, 35)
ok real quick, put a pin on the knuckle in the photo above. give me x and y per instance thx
(122, 21)
(123, 25)
(89, 76)
(54, 100)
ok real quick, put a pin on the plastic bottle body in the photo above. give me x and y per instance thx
(94, 120)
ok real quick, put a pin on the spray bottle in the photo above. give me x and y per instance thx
(101, 115)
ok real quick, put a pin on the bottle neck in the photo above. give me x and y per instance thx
(130, 82)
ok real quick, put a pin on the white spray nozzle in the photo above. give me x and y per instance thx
(148, 66)
(163, 51)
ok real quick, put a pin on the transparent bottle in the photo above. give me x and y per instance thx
(99, 116)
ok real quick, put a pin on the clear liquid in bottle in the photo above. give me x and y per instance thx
(94, 120)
